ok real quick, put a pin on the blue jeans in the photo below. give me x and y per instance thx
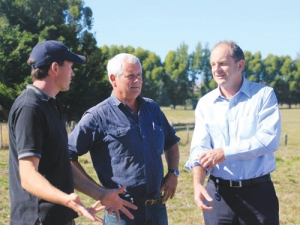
(144, 215)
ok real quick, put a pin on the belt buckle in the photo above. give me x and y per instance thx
(149, 202)
(236, 186)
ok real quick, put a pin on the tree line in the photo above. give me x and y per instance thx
(181, 79)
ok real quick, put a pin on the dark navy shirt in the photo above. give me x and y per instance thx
(125, 148)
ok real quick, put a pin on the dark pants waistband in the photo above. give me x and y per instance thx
(38, 222)
(142, 201)
(241, 183)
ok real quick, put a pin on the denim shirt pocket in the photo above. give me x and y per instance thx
(118, 138)
(159, 138)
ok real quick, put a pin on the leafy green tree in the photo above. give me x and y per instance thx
(286, 77)
(152, 76)
(253, 67)
(90, 84)
(286, 81)
(162, 99)
(178, 80)
(27, 22)
(34, 15)
(200, 68)
(111, 51)
(294, 83)
(13, 50)
(281, 89)
(272, 65)
(153, 72)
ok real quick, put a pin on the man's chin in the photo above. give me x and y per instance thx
(221, 82)
(65, 89)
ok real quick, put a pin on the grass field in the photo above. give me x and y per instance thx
(181, 209)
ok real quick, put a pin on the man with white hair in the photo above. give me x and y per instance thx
(126, 135)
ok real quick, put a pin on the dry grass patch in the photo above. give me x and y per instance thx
(182, 209)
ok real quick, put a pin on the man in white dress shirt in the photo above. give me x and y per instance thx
(237, 130)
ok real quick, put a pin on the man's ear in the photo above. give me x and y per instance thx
(54, 66)
(241, 65)
(113, 79)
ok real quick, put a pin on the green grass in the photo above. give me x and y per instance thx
(181, 209)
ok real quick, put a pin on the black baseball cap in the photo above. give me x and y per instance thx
(47, 52)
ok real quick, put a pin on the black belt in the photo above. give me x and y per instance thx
(241, 183)
(142, 201)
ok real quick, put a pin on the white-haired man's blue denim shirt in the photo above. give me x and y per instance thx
(125, 149)
(247, 127)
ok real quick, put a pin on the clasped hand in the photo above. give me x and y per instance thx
(211, 158)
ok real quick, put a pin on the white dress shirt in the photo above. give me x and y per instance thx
(247, 127)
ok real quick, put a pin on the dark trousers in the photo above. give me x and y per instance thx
(257, 204)
(38, 222)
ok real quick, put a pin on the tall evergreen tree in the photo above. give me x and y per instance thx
(179, 81)
(27, 22)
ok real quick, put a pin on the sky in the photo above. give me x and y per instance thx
(265, 26)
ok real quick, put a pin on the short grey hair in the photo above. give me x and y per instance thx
(115, 64)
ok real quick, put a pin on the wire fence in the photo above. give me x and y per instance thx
(179, 127)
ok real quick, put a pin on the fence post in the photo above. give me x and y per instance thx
(285, 139)
(188, 134)
(1, 144)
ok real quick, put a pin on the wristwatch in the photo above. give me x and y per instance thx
(175, 172)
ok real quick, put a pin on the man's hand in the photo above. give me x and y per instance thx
(169, 186)
(75, 204)
(113, 203)
(210, 158)
(199, 194)
(108, 197)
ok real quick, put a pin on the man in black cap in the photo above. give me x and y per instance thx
(40, 174)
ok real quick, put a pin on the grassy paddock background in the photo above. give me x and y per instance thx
(181, 209)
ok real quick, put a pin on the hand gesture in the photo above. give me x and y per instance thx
(76, 204)
(113, 203)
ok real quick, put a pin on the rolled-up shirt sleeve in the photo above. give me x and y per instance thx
(201, 141)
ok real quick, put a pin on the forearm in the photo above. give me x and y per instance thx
(199, 174)
(172, 157)
(84, 183)
(33, 182)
